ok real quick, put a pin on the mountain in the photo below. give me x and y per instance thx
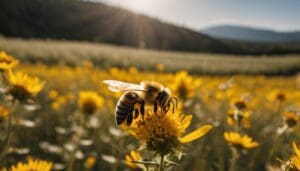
(249, 34)
(101, 23)
(98, 22)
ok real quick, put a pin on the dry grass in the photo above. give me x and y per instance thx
(103, 55)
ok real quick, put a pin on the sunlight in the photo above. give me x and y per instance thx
(139, 5)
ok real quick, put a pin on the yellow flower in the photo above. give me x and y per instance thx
(296, 149)
(90, 162)
(24, 86)
(239, 104)
(280, 96)
(277, 95)
(160, 67)
(131, 157)
(291, 119)
(237, 117)
(296, 158)
(53, 94)
(32, 165)
(184, 85)
(4, 112)
(6, 61)
(240, 141)
(55, 105)
(295, 162)
(89, 102)
(163, 132)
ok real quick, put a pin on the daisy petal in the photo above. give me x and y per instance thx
(297, 151)
(196, 134)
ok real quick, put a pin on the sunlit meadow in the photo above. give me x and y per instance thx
(62, 117)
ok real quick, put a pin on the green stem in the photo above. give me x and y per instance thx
(6, 140)
(274, 149)
(161, 166)
(234, 159)
(71, 162)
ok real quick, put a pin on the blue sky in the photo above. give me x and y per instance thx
(280, 15)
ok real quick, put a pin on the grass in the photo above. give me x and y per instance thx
(105, 56)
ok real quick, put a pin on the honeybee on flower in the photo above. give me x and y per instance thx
(159, 129)
(147, 93)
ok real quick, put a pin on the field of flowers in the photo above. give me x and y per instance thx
(62, 117)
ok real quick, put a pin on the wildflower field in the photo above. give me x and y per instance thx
(62, 117)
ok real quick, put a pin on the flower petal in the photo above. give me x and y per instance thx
(196, 134)
(297, 151)
(186, 121)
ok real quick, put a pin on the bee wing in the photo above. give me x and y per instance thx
(117, 86)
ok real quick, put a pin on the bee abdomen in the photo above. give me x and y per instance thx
(122, 111)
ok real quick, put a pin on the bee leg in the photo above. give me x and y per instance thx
(129, 119)
(142, 107)
(166, 108)
(174, 102)
(155, 107)
(136, 113)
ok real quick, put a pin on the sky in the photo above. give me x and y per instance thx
(279, 15)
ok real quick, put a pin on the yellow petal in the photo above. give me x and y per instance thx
(297, 151)
(196, 134)
(135, 155)
(226, 136)
(254, 144)
(128, 161)
(186, 121)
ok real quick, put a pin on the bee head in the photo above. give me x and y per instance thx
(152, 86)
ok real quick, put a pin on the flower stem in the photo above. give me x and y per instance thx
(6, 140)
(162, 163)
(234, 159)
(71, 161)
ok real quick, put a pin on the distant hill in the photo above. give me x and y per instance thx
(66, 19)
(98, 22)
(242, 33)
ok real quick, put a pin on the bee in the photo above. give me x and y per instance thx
(146, 93)
(158, 96)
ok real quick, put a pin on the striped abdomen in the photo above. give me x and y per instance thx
(125, 107)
